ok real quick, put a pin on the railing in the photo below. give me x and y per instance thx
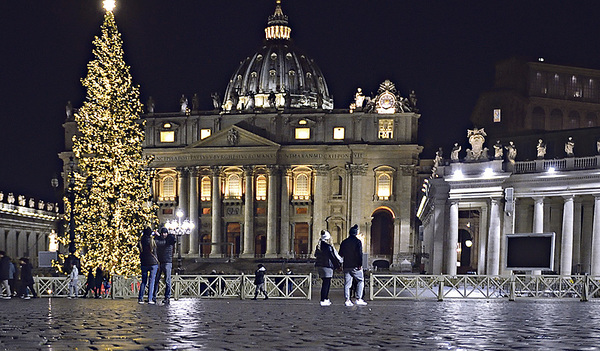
(186, 286)
(570, 163)
(440, 287)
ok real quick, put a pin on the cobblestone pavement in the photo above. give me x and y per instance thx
(192, 324)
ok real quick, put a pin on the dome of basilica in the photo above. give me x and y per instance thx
(278, 75)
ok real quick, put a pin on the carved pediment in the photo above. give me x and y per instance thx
(233, 136)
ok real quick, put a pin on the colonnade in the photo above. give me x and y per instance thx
(577, 232)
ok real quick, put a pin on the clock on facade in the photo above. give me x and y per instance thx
(387, 100)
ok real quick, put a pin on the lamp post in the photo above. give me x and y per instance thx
(179, 228)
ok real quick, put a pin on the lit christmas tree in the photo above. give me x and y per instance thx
(111, 185)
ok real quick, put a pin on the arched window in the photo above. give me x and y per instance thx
(205, 189)
(261, 187)
(590, 120)
(384, 186)
(301, 189)
(234, 186)
(573, 120)
(168, 188)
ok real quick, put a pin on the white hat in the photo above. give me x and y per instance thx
(325, 235)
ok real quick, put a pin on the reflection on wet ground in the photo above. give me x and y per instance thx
(63, 324)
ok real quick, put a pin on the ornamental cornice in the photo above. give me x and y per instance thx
(357, 169)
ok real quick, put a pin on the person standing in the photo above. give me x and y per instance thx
(4, 274)
(12, 277)
(351, 252)
(327, 261)
(73, 280)
(98, 280)
(149, 263)
(259, 281)
(165, 244)
(26, 278)
(90, 283)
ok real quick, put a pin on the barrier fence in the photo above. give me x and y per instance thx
(378, 286)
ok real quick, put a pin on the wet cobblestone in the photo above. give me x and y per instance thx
(193, 324)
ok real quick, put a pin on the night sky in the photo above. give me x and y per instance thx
(444, 50)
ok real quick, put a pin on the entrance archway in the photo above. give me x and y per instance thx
(301, 239)
(233, 237)
(260, 245)
(382, 232)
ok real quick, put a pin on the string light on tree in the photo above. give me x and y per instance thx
(111, 167)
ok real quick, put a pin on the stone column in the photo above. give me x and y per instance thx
(595, 261)
(193, 214)
(215, 236)
(538, 222)
(493, 255)
(284, 226)
(538, 215)
(319, 196)
(357, 173)
(577, 231)
(452, 239)
(566, 247)
(184, 203)
(248, 239)
(272, 213)
(436, 257)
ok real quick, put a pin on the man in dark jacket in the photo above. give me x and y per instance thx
(26, 278)
(351, 251)
(259, 281)
(4, 274)
(149, 263)
(165, 243)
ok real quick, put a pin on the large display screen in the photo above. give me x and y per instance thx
(530, 251)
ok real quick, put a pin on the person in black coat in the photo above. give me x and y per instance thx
(4, 274)
(90, 283)
(351, 251)
(149, 263)
(165, 245)
(259, 281)
(99, 278)
(327, 261)
(26, 278)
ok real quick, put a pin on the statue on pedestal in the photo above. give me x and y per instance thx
(476, 139)
(183, 104)
(454, 154)
(512, 151)
(498, 150)
(541, 149)
(569, 147)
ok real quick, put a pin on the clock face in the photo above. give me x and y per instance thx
(387, 100)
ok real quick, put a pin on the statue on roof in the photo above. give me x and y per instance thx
(183, 103)
(498, 150)
(454, 154)
(541, 149)
(69, 110)
(150, 105)
(216, 100)
(569, 147)
(511, 152)
(359, 99)
(195, 102)
(476, 139)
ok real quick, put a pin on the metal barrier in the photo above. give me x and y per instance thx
(440, 287)
(186, 286)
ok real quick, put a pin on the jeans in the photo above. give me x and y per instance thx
(325, 289)
(6, 286)
(166, 269)
(151, 270)
(349, 275)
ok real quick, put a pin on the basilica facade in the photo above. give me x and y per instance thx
(275, 163)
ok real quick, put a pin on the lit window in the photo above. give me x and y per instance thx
(205, 188)
(303, 133)
(384, 186)
(338, 133)
(167, 136)
(234, 186)
(167, 125)
(168, 189)
(204, 133)
(302, 122)
(386, 128)
(301, 187)
(261, 187)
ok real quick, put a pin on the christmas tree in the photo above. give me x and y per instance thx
(111, 185)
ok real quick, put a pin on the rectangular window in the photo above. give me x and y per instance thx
(302, 210)
(302, 133)
(167, 136)
(167, 211)
(204, 133)
(206, 210)
(338, 133)
(386, 128)
(261, 211)
(497, 115)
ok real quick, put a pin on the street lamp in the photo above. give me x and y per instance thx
(179, 228)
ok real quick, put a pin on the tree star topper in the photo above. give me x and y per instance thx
(109, 5)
